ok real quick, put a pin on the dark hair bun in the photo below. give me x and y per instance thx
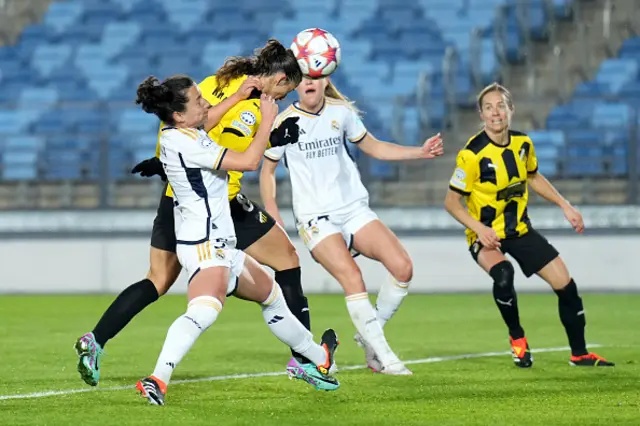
(153, 94)
(272, 52)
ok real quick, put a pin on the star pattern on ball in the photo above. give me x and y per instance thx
(330, 54)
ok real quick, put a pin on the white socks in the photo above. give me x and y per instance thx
(364, 318)
(201, 312)
(390, 297)
(288, 329)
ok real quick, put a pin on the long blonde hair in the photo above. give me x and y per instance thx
(331, 91)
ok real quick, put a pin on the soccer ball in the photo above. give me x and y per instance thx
(317, 51)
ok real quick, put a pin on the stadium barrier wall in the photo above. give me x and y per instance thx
(441, 264)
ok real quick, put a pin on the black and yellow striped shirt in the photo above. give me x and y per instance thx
(494, 180)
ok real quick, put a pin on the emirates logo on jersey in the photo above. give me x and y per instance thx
(320, 148)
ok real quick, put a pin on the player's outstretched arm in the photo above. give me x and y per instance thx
(268, 189)
(216, 112)
(249, 160)
(388, 151)
(546, 190)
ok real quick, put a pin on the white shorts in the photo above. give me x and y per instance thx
(346, 221)
(209, 254)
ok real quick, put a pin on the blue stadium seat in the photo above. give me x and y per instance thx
(10, 67)
(185, 16)
(412, 69)
(591, 89)
(107, 79)
(127, 6)
(23, 143)
(411, 125)
(61, 164)
(549, 144)
(83, 32)
(35, 34)
(215, 53)
(19, 163)
(63, 15)
(611, 115)
(544, 138)
(137, 121)
(630, 94)
(562, 8)
(17, 172)
(90, 58)
(436, 8)
(38, 97)
(119, 35)
(615, 73)
(488, 61)
(563, 117)
(382, 169)
(49, 57)
(616, 152)
(9, 92)
(630, 48)
(67, 142)
(536, 19)
(51, 124)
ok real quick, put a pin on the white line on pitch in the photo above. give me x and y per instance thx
(275, 373)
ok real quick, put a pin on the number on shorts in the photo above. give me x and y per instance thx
(220, 243)
(246, 204)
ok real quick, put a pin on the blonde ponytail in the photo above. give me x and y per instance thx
(331, 91)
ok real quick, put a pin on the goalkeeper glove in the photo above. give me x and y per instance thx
(150, 167)
(287, 132)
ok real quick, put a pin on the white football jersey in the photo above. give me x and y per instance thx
(324, 176)
(191, 161)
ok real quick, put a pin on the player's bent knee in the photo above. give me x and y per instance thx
(163, 271)
(403, 270)
(265, 286)
(503, 275)
(292, 254)
(161, 281)
(203, 311)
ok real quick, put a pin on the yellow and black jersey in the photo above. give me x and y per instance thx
(494, 180)
(237, 128)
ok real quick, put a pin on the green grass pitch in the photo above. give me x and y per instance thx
(38, 333)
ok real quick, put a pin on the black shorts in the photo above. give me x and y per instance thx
(532, 251)
(250, 221)
(163, 235)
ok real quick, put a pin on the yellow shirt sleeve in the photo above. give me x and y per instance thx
(239, 126)
(465, 174)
